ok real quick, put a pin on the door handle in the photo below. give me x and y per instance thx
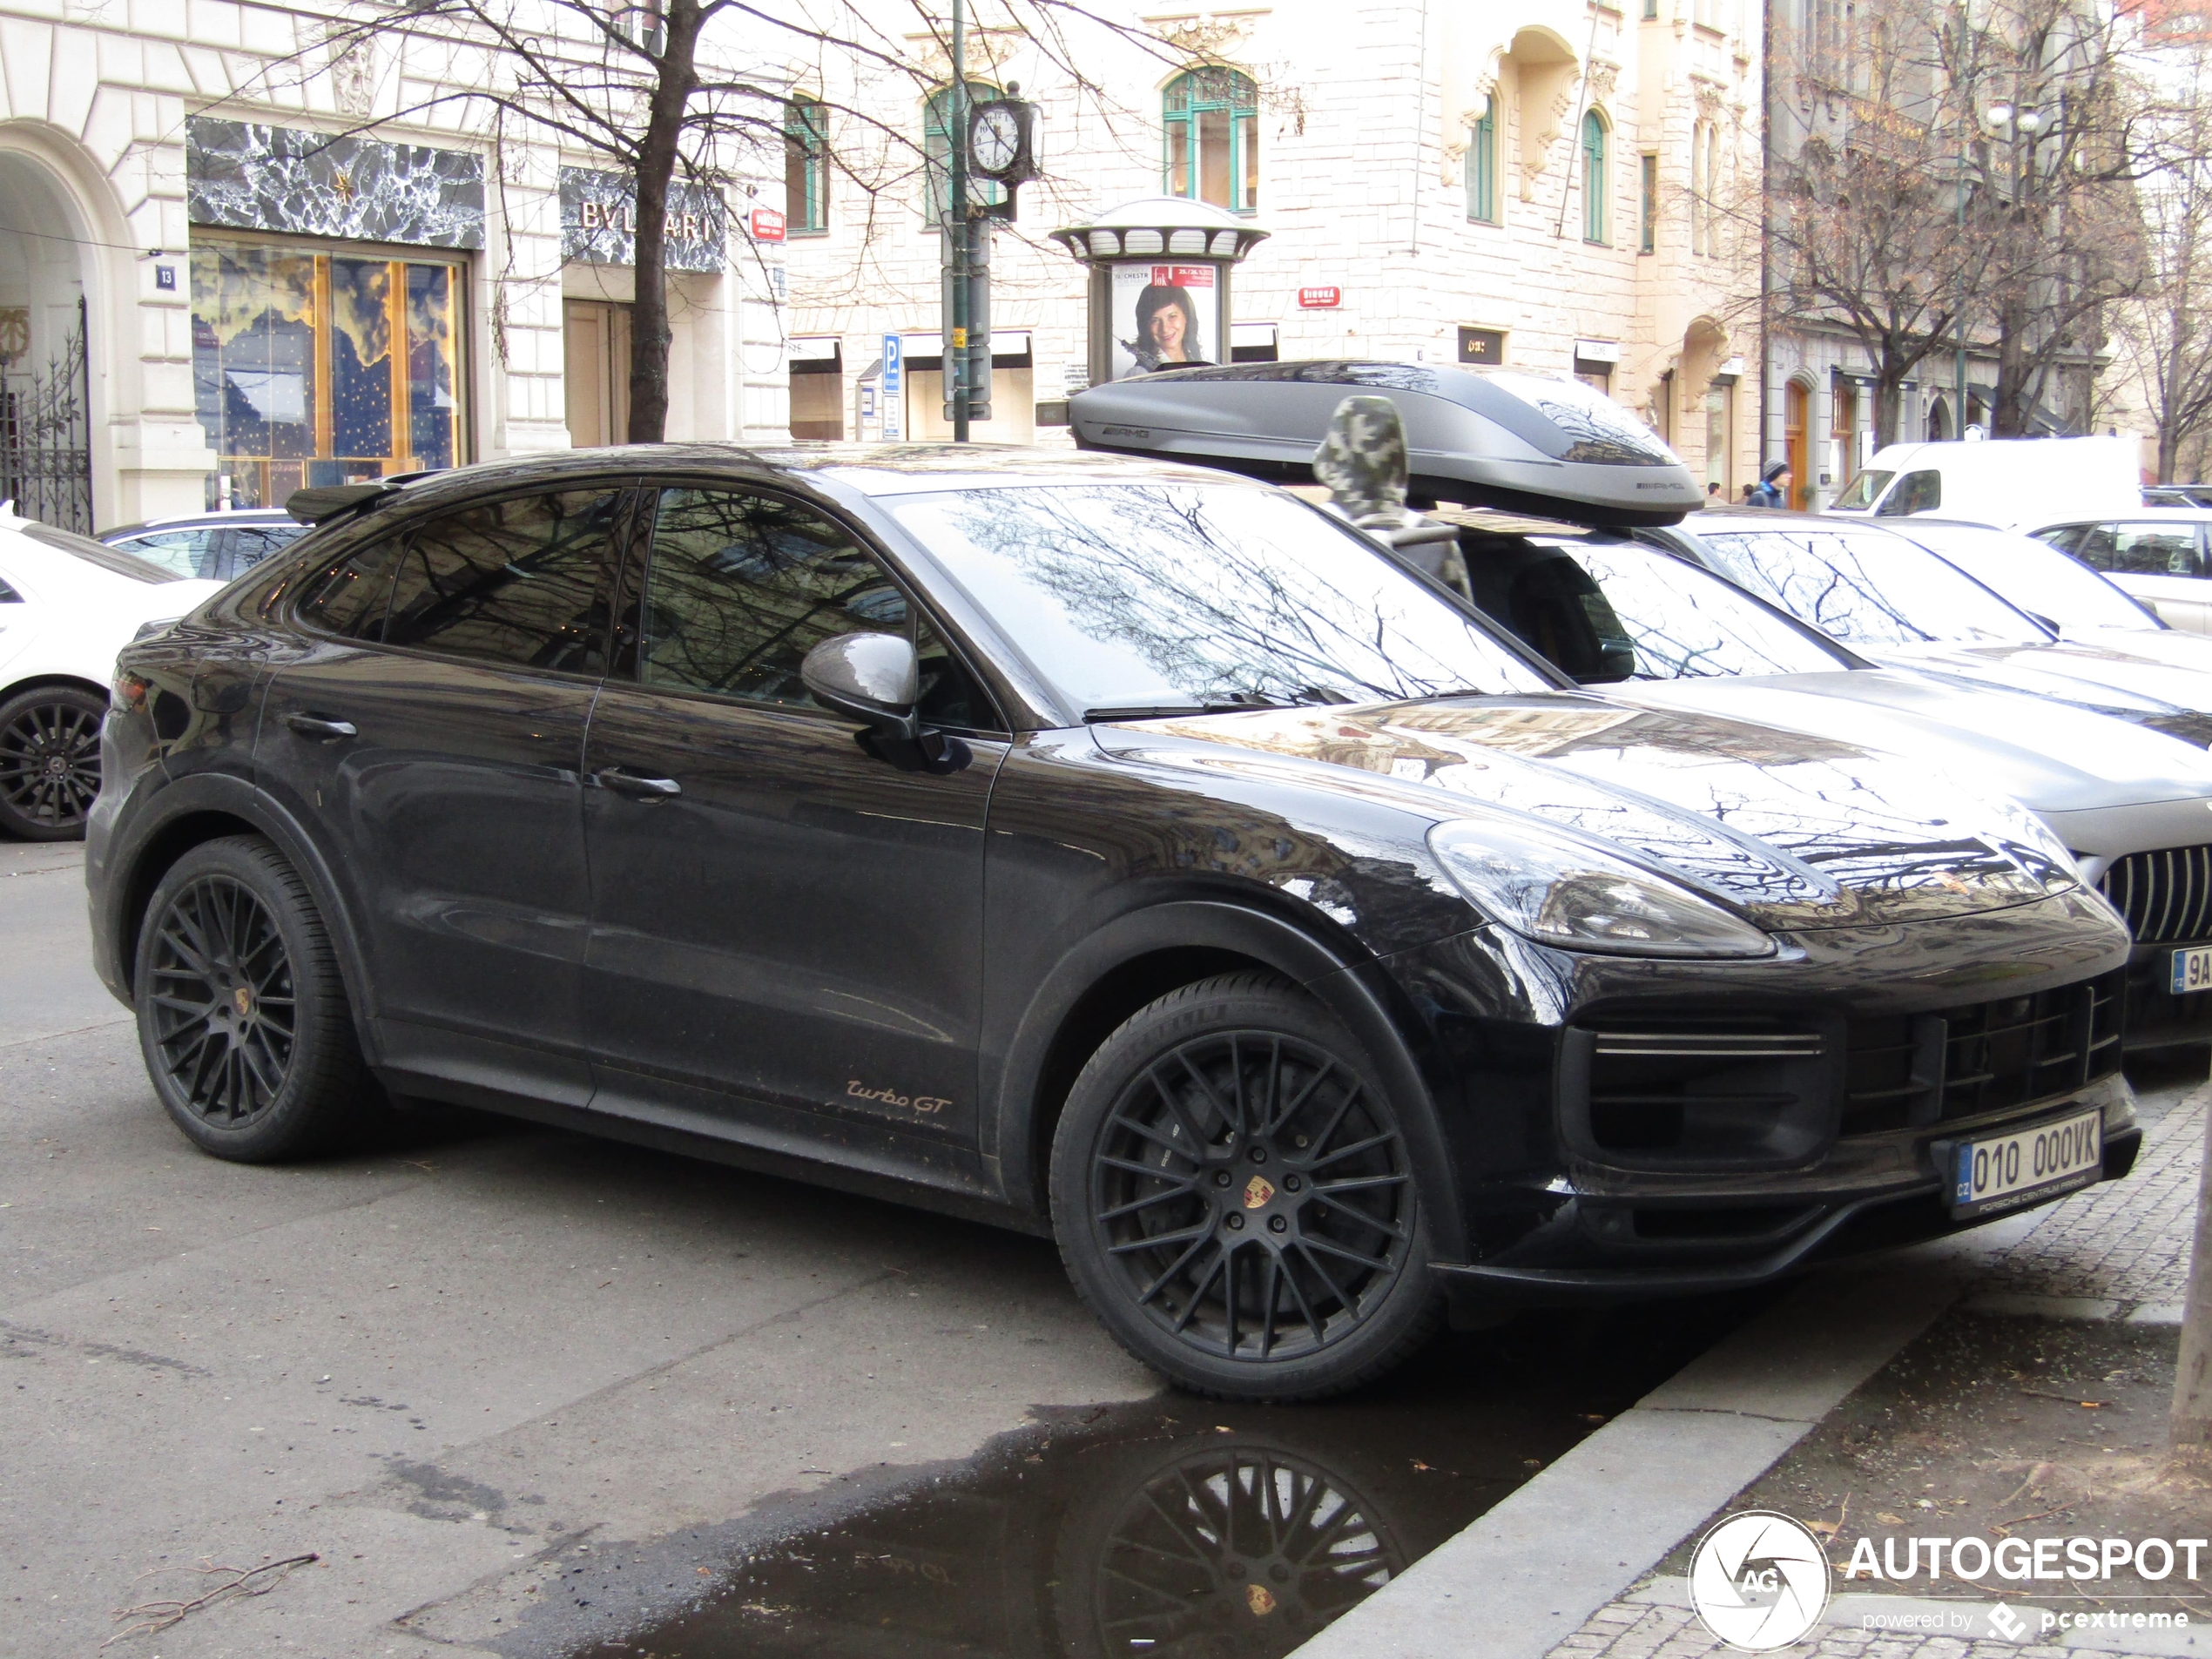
(322, 731)
(637, 788)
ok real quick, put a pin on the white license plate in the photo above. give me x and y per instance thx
(2193, 970)
(2008, 1171)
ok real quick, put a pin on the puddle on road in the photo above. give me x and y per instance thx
(1176, 1528)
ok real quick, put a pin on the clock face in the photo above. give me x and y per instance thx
(994, 140)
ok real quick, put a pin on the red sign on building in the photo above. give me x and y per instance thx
(1320, 298)
(767, 225)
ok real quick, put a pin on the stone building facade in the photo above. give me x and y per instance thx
(1532, 183)
(242, 249)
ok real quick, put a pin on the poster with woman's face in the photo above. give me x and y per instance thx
(1164, 318)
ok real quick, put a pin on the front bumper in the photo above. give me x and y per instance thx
(1598, 1251)
(1642, 1127)
(2156, 1018)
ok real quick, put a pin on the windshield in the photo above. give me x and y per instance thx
(1862, 492)
(1130, 598)
(2036, 577)
(1687, 623)
(1867, 587)
(108, 558)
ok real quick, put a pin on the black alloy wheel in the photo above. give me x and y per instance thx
(1242, 1548)
(242, 1016)
(1234, 1196)
(50, 761)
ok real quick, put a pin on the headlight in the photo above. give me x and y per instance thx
(1568, 893)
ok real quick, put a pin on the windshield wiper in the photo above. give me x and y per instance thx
(1176, 711)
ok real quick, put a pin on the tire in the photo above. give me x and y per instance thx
(242, 1016)
(1234, 1198)
(50, 761)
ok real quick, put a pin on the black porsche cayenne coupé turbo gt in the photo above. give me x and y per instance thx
(1115, 850)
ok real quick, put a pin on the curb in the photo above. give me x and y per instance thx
(1531, 1572)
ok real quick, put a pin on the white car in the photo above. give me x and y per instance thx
(2155, 553)
(67, 605)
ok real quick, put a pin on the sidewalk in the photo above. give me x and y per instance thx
(2116, 1252)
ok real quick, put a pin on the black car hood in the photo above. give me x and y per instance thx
(1796, 831)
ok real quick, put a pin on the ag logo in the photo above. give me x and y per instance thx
(1759, 1580)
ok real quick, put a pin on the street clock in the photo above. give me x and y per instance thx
(1001, 136)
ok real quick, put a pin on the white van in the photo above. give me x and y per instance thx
(2013, 483)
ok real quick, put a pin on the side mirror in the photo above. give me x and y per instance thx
(875, 678)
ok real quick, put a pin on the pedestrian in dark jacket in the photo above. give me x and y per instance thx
(1773, 489)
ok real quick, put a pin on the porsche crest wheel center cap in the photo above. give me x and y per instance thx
(1258, 1191)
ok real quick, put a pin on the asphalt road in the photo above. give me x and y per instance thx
(438, 1368)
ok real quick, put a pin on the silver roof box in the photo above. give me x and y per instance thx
(1480, 437)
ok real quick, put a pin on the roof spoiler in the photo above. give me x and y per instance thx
(320, 502)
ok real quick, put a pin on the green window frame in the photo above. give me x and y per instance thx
(806, 168)
(1596, 185)
(1210, 121)
(1482, 166)
(1648, 240)
(937, 152)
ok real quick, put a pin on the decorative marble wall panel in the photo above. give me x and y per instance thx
(283, 179)
(598, 219)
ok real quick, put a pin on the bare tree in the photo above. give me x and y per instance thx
(2165, 330)
(1862, 205)
(698, 93)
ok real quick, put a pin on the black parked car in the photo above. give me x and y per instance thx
(1111, 849)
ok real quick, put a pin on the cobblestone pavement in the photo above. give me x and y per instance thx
(2118, 1250)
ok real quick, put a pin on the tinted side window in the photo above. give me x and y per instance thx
(1916, 492)
(2154, 549)
(741, 586)
(9, 595)
(2067, 537)
(349, 598)
(521, 581)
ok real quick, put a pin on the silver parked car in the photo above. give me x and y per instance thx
(1893, 602)
(1648, 627)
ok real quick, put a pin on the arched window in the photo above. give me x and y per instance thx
(1482, 166)
(1211, 118)
(937, 147)
(806, 167)
(1596, 183)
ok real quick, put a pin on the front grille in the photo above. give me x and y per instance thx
(1916, 1069)
(2165, 896)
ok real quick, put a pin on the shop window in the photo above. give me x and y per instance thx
(324, 368)
(1596, 182)
(1647, 234)
(1211, 118)
(937, 148)
(807, 168)
(1482, 166)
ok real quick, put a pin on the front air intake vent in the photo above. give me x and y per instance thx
(1662, 1093)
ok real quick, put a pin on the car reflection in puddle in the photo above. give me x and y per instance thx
(1176, 1528)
